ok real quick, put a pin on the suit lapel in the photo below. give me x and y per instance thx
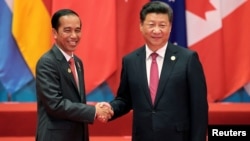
(65, 67)
(142, 72)
(168, 65)
(80, 79)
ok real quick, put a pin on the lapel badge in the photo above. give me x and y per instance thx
(69, 70)
(172, 58)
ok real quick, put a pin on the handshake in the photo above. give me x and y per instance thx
(104, 111)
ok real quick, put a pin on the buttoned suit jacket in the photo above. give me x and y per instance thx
(180, 110)
(62, 111)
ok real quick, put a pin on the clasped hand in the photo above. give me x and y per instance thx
(104, 111)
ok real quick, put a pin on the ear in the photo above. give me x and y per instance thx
(54, 33)
(170, 28)
(141, 27)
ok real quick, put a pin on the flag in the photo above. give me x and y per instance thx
(216, 29)
(219, 30)
(14, 73)
(22, 41)
(33, 39)
(97, 48)
(128, 35)
(3, 93)
(241, 95)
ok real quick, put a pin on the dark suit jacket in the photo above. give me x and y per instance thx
(180, 111)
(62, 112)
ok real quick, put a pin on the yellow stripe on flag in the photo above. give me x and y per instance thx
(32, 30)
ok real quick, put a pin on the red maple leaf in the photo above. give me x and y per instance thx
(199, 7)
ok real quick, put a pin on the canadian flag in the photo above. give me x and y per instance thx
(219, 31)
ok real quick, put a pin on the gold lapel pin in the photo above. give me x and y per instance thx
(69, 70)
(173, 58)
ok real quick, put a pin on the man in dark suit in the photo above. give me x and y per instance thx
(178, 108)
(63, 114)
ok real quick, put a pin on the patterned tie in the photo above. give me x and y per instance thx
(154, 77)
(72, 67)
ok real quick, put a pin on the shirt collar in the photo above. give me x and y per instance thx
(160, 52)
(67, 57)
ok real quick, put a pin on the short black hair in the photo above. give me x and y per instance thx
(62, 12)
(156, 7)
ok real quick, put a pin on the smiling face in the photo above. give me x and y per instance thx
(156, 30)
(68, 33)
